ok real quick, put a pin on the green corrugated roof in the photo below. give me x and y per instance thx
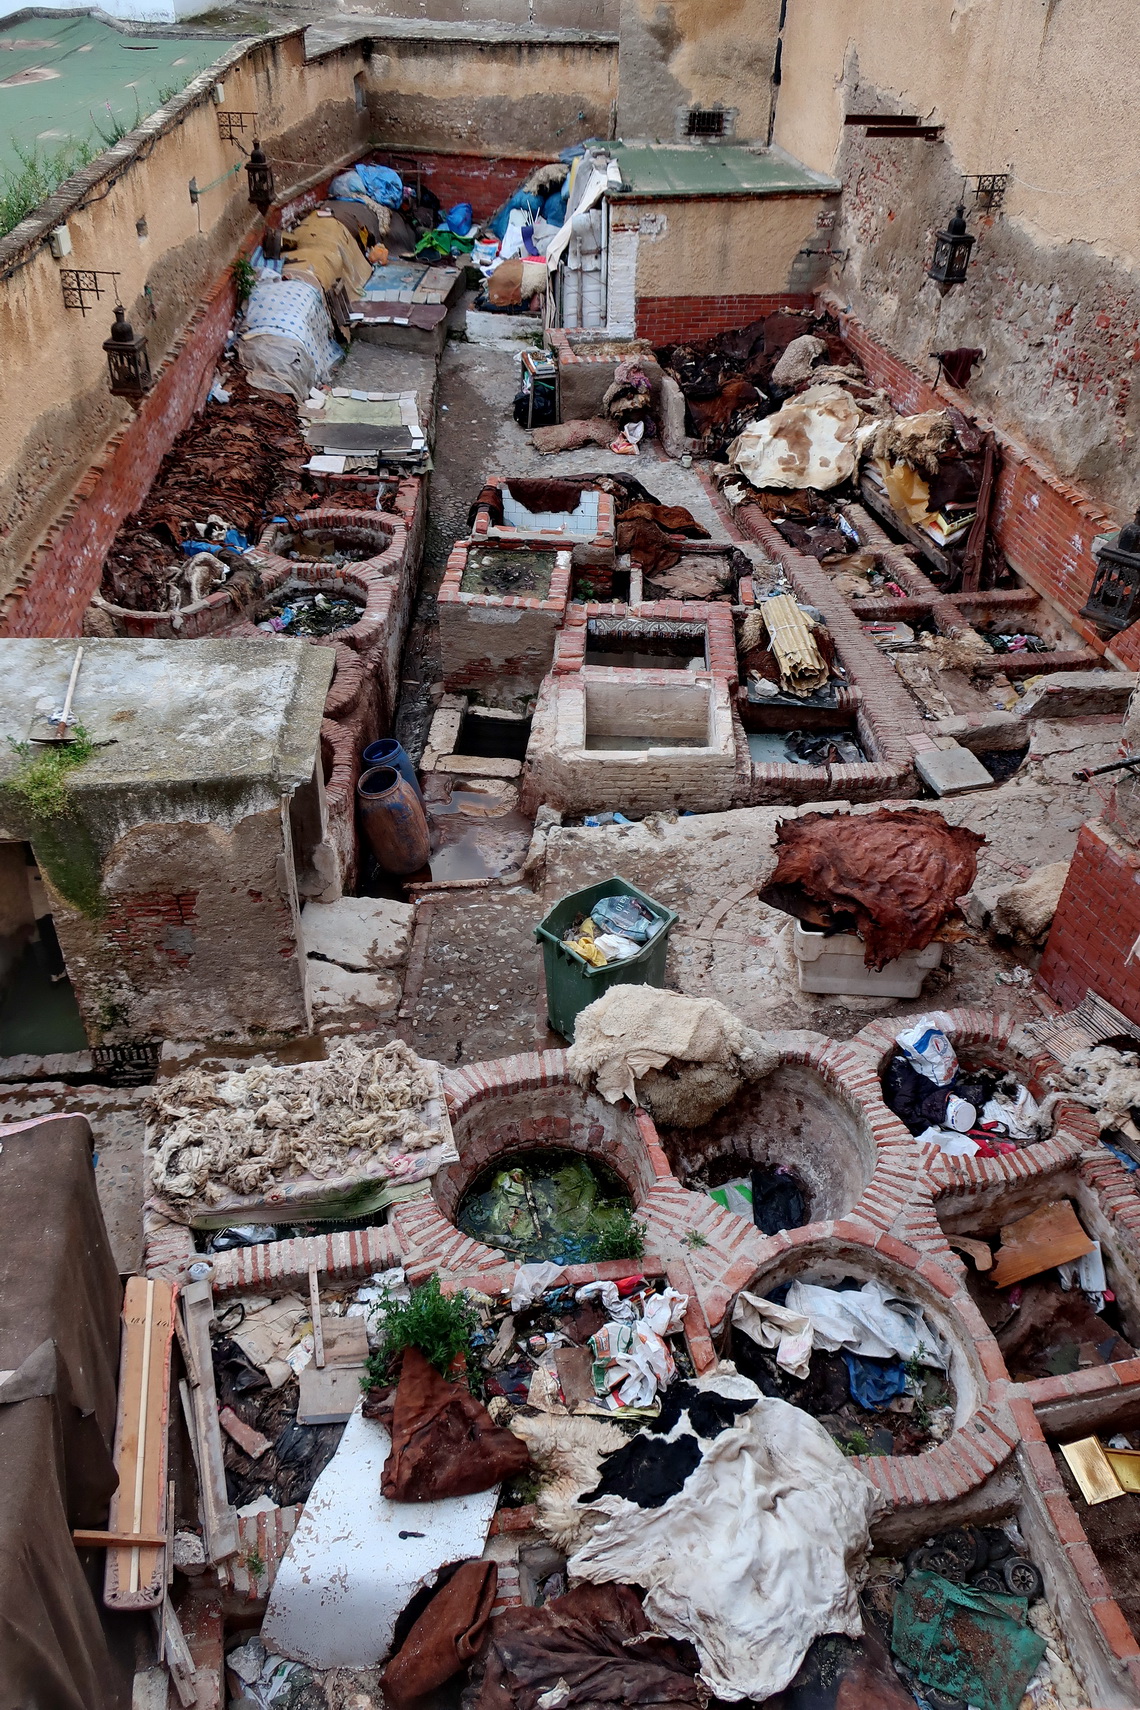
(715, 169)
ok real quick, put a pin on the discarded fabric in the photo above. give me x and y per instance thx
(444, 1442)
(755, 1555)
(447, 1635)
(972, 1645)
(772, 1326)
(874, 1321)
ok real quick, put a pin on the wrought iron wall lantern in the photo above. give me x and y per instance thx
(951, 257)
(127, 359)
(260, 174)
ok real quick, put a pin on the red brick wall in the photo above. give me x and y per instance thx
(59, 581)
(1096, 926)
(677, 320)
(484, 181)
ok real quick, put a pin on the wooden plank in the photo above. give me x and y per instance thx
(315, 1309)
(1049, 1237)
(219, 1518)
(881, 505)
(86, 1540)
(1090, 1468)
(134, 1576)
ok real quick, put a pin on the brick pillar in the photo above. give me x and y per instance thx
(1094, 944)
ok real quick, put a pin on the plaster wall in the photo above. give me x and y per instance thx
(1027, 87)
(677, 54)
(532, 96)
(55, 408)
(698, 247)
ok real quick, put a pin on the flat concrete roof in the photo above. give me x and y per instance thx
(660, 170)
(204, 713)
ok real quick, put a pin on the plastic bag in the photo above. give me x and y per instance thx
(630, 1363)
(1019, 1115)
(616, 948)
(926, 1046)
(626, 917)
(607, 1294)
(665, 1312)
(531, 1281)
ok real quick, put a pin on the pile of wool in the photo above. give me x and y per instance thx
(217, 1134)
(682, 1058)
(1103, 1079)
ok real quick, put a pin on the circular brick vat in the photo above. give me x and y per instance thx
(307, 542)
(508, 1123)
(795, 1118)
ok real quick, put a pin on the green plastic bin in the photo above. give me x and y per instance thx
(571, 984)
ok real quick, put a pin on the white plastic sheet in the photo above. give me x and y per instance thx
(757, 1555)
(873, 1321)
(348, 1571)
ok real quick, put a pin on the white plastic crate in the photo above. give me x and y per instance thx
(834, 963)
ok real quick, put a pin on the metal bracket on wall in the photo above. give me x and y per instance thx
(989, 190)
(904, 125)
(232, 125)
(81, 287)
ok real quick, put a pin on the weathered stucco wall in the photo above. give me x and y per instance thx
(677, 54)
(1029, 87)
(199, 938)
(542, 14)
(55, 408)
(531, 97)
(745, 245)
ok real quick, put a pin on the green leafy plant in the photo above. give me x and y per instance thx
(856, 1442)
(439, 1325)
(618, 1234)
(695, 1239)
(253, 1564)
(40, 784)
(244, 277)
(168, 91)
(584, 589)
(37, 177)
(115, 129)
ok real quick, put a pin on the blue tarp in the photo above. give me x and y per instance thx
(873, 1383)
(376, 183)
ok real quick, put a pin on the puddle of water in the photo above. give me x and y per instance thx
(479, 833)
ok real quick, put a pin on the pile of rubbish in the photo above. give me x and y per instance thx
(615, 930)
(294, 613)
(738, 376)
(552, 1206)
(893, 876)
(216, 486)
(857, 1356)
(682, 1058)
(218, 1144)
(964, 1112)
(1041, 1285)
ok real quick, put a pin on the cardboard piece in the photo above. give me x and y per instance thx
(328, 1395)
(575, 1367)
(1039, 1242)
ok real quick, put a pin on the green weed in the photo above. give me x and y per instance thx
(439, 1325)
(37, 177)
(617, 1234)
(695, 1239)
(40, 785)
(244, 277)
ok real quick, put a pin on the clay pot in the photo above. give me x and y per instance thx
(394, 822)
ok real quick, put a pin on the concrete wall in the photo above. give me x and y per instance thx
(1030, 87)
(454, 93)
(596, 15)
(55, 408)
(677, 54)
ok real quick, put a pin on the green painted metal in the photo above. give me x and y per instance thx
(709, 169)
(99, 81)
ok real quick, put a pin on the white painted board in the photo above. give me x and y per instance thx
(347, 1573)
